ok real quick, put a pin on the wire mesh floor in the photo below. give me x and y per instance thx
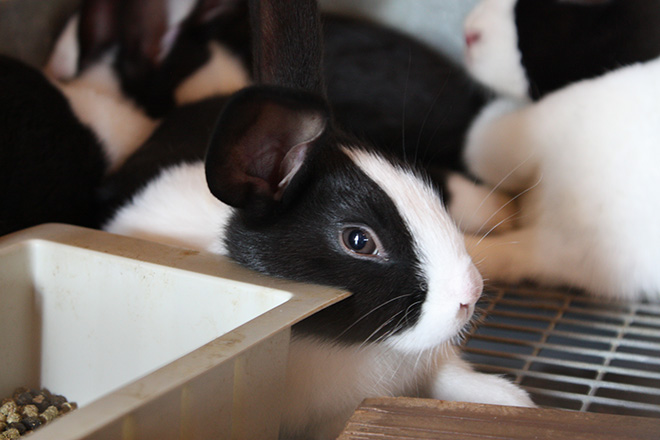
(570, 350)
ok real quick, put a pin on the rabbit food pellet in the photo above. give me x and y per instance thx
(29, 409)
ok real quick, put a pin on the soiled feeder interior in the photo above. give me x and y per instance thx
(84, 323)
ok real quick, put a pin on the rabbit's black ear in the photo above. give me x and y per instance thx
(98, 29)
(261, 146)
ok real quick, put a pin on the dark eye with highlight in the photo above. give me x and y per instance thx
(360, 241)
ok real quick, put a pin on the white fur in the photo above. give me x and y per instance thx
(117, 122)
(101, 76)
(176, 208)
(325, 381)
(178, 10)
(63, 62)
(223, 74)
(508, 134)
(494, 59)
(587, 157)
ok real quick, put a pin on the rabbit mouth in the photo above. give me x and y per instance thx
(465, 311)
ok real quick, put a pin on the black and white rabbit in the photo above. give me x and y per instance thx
(582, 157)
(529, 48)
(383, 87)
(282, 191)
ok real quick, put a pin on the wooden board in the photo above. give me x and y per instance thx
(407, 418)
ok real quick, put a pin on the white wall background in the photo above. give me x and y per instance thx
(436, 22)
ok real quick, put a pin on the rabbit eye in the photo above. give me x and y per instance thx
(360, 241)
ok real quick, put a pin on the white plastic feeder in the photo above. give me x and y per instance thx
(152, 341)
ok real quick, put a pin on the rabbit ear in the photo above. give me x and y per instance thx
(207, 10)
(287, 46)
(261, 146)
(98, 29)
(147, 34)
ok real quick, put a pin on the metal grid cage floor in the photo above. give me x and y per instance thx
(570, 350)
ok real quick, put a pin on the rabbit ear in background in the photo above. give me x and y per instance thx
(262, 141)
(147, 32)
(286, 45)
(98, 29)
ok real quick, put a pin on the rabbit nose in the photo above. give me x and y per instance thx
(472, 37)
(475, 288)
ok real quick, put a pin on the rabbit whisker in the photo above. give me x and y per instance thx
(372, 311)
(493, 190)
(380, 327)
(520, 194)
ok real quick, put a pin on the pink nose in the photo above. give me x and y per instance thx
(472, 37)
(475, 288)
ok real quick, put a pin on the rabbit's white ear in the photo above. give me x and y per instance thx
(262, 141)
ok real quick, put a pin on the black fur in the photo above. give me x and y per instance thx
(565, 41)
(50, 164)
(398, 94)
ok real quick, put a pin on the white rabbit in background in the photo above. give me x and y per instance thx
(576, 135)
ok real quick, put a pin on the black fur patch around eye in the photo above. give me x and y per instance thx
(303, 244)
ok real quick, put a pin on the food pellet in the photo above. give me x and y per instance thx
(29, 409)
